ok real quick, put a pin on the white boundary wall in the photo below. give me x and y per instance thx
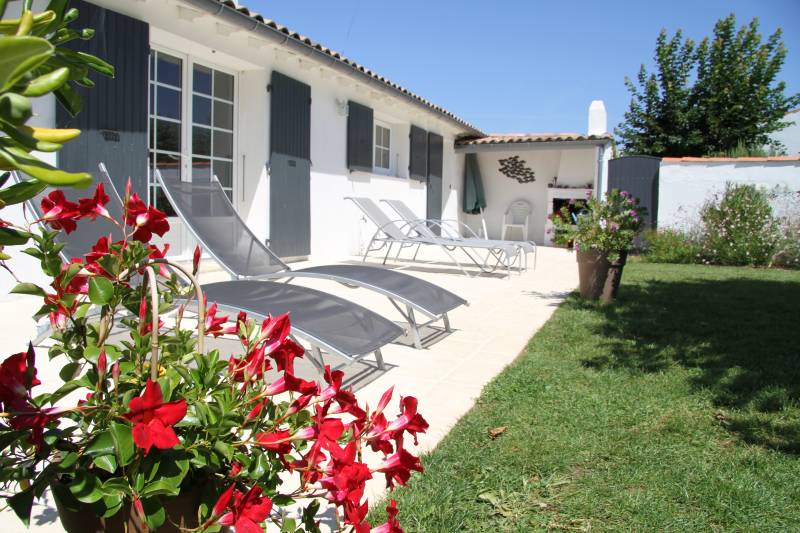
(685, 184)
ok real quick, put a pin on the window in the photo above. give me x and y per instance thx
(383, 147)
(212, 126)
(166, 109)
(193, 117)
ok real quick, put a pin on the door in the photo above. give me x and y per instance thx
(290, 167)
(435, 171)
(639, 176)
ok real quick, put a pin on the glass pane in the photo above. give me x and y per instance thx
(223, 115)
(224, 172)
(201, 141)
(201, 79)
(169, 103)
(385, 159)
(152, 128)
(169, 69)
(152, 99)
(201, 110)
(386, 136)
(223, 144)
(162, 203)
(152, 64)
(223, 85)
(168, 136)
(201, 169)
(169, 165)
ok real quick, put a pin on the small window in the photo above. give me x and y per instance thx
(383, 147)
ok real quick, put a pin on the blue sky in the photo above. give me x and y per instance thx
(520, 66)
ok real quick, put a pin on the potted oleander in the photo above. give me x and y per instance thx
(166, 435)
(602, 235)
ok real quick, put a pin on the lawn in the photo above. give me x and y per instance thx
(677, 409)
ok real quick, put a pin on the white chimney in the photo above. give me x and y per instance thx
(598, 121)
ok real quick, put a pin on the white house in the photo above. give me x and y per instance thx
(291, 128)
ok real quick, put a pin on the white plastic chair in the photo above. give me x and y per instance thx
(516, 217)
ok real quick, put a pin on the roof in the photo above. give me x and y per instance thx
(511, 138)
(302, 39)
(730, 159)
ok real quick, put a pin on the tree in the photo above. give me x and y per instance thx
(710, 98)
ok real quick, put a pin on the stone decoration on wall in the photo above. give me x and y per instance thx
(516, 169)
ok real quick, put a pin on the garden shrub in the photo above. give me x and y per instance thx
(670, 246)
(738, 227)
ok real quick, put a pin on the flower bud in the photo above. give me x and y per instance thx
(102, 364)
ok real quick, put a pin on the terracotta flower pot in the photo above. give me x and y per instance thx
(611, 285)
(592, 272)
(181, 512)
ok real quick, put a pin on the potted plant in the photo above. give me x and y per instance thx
(166, 435)
(602, 235)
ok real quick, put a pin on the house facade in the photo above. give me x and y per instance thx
(289, 128)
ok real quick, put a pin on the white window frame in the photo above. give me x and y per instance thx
(187, 115)
(375, 147)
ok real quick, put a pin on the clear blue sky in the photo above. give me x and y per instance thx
(520, 66)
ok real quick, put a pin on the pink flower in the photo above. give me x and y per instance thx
(247, 512)
(93, 207)
(59, 212)
(145, 219)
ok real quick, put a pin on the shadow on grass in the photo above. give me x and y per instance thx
(740, 337)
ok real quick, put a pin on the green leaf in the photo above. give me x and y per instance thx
(28, 288)
(27, 163)
(101, 290)
(47, 83)
(123, 442)
(289, 524)
(107, 463)
(86, 487)
(69, 370)
(20, 55)
(69, 99)
(19, 192)
(22, 502)
(117, 485)
(161, 487)
(13, 237)
(103, 444)
(154, 513)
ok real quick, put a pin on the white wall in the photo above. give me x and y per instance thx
(575, 167)
(685, 186)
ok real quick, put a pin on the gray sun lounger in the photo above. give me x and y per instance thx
(212, 219)
(451, 229)
(324, 321)
(390, 232)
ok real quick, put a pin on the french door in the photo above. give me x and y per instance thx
(191, 130)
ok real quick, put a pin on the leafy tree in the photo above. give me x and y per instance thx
(708, 98)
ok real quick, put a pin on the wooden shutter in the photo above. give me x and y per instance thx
(418, 159)
(290, 116)
(435, 154)
(359, 137)
(114, 115)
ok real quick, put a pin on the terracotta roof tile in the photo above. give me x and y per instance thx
(511, 138)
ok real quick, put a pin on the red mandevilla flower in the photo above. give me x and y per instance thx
(93, 207)
(59, 212)
(391, 525)
(247, 512)
(153, 419)
(145, 219)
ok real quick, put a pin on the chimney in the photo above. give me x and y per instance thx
(598, 122)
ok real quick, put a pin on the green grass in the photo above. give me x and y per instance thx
(677, 409)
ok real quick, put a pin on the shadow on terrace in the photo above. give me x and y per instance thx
(739, 338)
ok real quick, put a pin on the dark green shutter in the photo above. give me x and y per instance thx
(418, 159)
(359, 137)
(113, 120)
(435, 154)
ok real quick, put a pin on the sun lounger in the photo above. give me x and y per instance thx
(451, 229)
(390, 232)
(209, 215)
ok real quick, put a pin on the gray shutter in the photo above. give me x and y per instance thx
(418, 159)
(435, 154)
(113, 120)
(289, 122)
(359, 137)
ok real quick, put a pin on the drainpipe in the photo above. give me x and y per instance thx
(234, 17)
